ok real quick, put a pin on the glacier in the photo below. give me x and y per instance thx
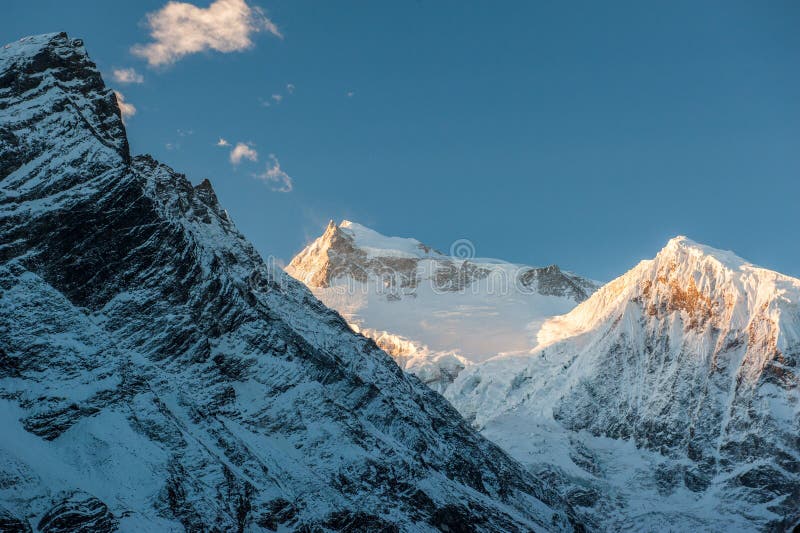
(435, 313)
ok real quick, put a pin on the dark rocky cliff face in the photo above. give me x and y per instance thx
(552, 281)
(154, 371)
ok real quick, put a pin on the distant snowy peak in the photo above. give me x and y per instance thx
(694, 356)
(434, 313)
(705, 284)
(357, 253)
(378, 245)
(351, 249)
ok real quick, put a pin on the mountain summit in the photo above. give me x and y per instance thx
(158, 375)
(673, 388)
(434, 313)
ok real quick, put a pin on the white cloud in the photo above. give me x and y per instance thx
(179, 29)
(290, 88)
(351, 94)
(243, 151)
(127, 75)
(223, 142)
(126, 109)
(275, 174)
(277, 97)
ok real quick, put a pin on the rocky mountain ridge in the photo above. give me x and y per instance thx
(156, 374)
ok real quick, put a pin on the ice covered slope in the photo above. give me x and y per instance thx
(156, 374)
(673, 390)
(433, 312)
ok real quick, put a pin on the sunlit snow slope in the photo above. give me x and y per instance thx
(671, 395)
(434, 313)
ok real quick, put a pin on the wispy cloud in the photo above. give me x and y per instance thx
(179, 29)
(127, 75)
(126, 109)
(223, 142)
(243, 151)
(290, 88)
(277, 97)
(276, 175)
(350, 94)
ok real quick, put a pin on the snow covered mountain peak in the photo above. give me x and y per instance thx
(706, 285)
(434, 313)
(681, 247)
(63, 89)
(378, 245)
(352, 249)
(30, 49)
(693, 357)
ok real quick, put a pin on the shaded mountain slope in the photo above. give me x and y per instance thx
(156, 373)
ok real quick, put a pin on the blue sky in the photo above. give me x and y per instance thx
(579, 133)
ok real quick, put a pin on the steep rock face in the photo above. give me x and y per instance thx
(156, 373)
(435, 314)
(78, 512)
(552, 281)
(693, 359)
(9, 522)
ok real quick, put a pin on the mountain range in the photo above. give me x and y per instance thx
(157, 374)
(668, 398)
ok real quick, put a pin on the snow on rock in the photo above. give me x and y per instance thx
(156, 374)
(436, 369)
(453, 311)
(377, 245)
(672, 393)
